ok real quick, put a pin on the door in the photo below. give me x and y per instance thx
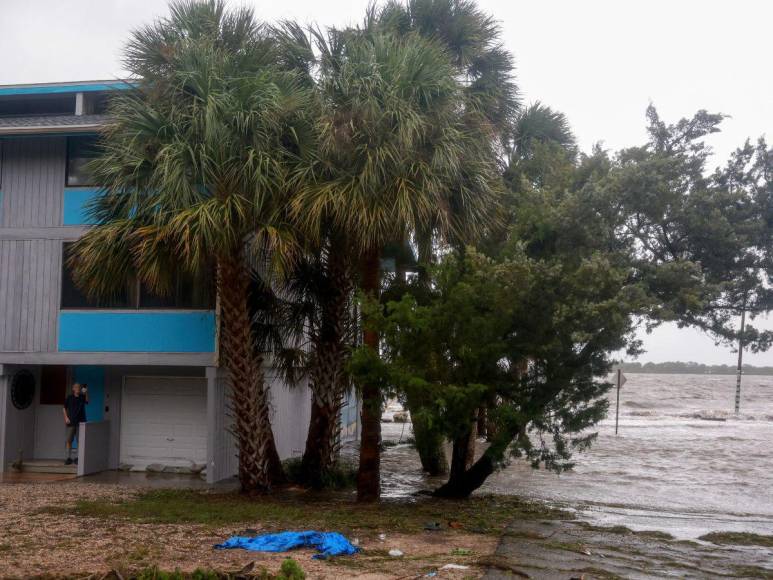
(163, 421)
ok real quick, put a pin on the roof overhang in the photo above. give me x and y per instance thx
(51, 130)
(51, 124)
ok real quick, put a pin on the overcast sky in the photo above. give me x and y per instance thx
(599, 61)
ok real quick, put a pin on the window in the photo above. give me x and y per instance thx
(188, 292)
(80, 150)
(73, 297)
(31, 106)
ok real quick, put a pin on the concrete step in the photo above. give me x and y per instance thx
(45, 466)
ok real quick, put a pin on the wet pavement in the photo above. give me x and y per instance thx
(158, 480)
(26, 477)
(124, 478)
(567, 550)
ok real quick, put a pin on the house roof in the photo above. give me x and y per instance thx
(43, 124)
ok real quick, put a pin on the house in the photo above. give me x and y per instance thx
(157, 396)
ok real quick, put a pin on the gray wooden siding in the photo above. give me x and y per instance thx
(4, 402)
(33, 173)
(222, 453)
(30, 272)
(18, 425)
(290, 415)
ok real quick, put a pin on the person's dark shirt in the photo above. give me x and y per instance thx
(76, 409)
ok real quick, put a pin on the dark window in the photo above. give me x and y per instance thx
(53, 384)
(30, 106)
(73, 297)
(80, 150)
(95, 103)
(188, 292)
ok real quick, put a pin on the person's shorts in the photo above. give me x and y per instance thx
(72, 431)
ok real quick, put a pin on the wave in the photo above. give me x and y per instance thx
(702, 415)
(639, 405)
(717, 415)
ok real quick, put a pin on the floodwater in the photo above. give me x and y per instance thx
(683, 462)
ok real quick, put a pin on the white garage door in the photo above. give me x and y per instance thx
(163, 421)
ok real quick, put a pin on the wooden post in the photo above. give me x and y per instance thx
(740, 363)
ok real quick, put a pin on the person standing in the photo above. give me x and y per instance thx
(74, 414)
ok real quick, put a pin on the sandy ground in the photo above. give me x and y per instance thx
(34, 543)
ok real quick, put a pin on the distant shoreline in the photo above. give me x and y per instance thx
(690, 368)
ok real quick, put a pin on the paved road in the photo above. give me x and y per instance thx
(564, 550)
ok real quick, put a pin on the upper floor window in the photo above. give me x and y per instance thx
(80, 150)
(187, 292)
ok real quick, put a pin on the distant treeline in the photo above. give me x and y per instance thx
(691, 368)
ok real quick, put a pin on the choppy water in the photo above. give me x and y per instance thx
(682, 462)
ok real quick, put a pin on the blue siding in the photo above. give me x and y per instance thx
(94, 378)
(136, 331)
(76, 200)
(64, 88)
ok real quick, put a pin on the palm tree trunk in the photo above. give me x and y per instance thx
(369, 473)
(259, 463)
(327, 380)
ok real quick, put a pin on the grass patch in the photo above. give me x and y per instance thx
(738, 539)
(290, 570)
(342, 475)
(287, 511)
(753, 572)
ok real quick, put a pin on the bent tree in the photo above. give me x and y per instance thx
(532, 322)
(193, 168)
(718, 223)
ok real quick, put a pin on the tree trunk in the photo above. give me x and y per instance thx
(483, 421)
(463, 483)
(327, 380)
(259, 463)
(429, 443)
(463, 451)
(319, 455)
(369, 473)
(467, 476)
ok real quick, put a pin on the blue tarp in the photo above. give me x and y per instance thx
(328, 543)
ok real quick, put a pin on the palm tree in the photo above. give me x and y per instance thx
(305, 321)
(484, 69)
(473, 40)
(539, 124)
(194, 167)
(400, 147)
